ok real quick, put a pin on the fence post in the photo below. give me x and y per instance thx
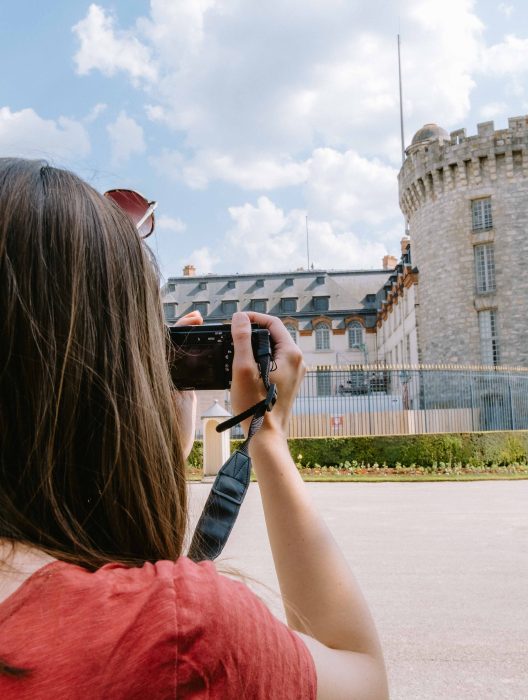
(473, 407)
(512, 413)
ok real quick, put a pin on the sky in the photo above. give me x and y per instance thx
(253, 122)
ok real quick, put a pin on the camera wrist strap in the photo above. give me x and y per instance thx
(230, 486)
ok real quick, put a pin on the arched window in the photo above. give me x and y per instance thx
(322, 336)
(355, 334)
(292, 331)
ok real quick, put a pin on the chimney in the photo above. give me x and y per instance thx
(389, 262)
(404, 243)
(189, 271)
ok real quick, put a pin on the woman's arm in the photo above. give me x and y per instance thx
(321, 597)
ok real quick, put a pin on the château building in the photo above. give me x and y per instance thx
(457, 293)
(332, 315)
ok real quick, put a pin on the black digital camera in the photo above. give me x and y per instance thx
(201, 357)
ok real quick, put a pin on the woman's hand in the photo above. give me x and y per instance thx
(193, 318)
(185, 401)
(247, 387)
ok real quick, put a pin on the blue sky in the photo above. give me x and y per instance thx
(242, 117)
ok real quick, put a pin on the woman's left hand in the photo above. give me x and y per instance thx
(193, 318)
(186, 400)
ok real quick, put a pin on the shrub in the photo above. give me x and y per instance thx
(425, 450)
(195, 459)
(502, 448)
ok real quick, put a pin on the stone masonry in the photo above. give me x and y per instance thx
(440, 177)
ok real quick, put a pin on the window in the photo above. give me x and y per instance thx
(320, 303)
(169, 312)
(289, 306)
(231, 284)
(408, 341)
(200, 306)
(324, 383)
(171, 287)
(258, 305)
(259, 283)
(292, 331)
(481, 214)
(322, 337)
(355, 334)
(396, 359)
(319, 279)
(485, 268)
(203, 285)
(288, 282)
(489, 341)
(229, 307)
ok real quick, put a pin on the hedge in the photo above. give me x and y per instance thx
(504, 447)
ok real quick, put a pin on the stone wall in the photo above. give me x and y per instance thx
(437, 182)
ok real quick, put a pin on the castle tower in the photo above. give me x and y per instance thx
(466, 201)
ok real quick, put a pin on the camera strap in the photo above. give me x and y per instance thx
(230, 486)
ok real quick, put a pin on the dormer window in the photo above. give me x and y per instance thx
(231, 284)
(259, 283)
(259, 305)
(169, 311)
(320, 303)
(201, 306)
(288, 282)
(289, 306)
(203, 285)
(319, 279)
(229, 307)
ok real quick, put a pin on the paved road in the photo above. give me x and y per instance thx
(444, 567)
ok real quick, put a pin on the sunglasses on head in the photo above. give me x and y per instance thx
(138, 208)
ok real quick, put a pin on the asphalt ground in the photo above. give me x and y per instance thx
(444, 567)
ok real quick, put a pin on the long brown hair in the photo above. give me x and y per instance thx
(91, 466)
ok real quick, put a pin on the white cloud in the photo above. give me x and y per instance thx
(247, 82)
(102, 48)
(259, 173)
(95, 112)
(126, 138)
(347, 189)
(509, 57)
(169, 223)
(492, 110)
(204, 260)
(268, 239)
(26, 134)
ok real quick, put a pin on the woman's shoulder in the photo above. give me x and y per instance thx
(164, 624)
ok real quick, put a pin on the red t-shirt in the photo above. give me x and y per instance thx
(165, 630)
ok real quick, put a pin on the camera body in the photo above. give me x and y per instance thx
(201, 357)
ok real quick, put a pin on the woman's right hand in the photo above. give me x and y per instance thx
(247, 387)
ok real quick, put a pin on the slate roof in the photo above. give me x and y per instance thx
(350, 292)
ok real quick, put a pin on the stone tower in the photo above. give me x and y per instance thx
(466, 201)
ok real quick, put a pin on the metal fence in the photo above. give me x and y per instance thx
(396, 400)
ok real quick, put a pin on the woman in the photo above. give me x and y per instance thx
(96, 597)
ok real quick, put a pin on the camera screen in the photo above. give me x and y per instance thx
(195, 366)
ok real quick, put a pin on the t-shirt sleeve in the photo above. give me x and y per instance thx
(231, 646)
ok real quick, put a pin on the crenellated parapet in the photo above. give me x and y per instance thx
(438, 164)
